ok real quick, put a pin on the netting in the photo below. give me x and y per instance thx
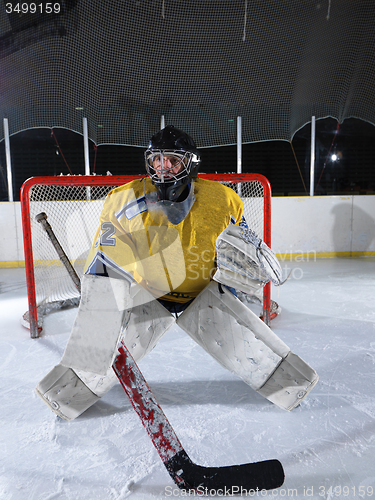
(198, 63)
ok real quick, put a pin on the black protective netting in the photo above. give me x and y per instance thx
(200, 63)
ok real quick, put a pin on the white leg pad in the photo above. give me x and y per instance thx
(69, 392)
(98, 384)
(290, 383)
(65, 393)
(107, 308)
(147, 324)
(233, 335)
(95, 334)
(246, 346)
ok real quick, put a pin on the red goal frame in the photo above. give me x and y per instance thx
(118, 180)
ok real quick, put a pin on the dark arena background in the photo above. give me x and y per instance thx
(126, 65)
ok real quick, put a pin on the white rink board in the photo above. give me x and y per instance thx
(322, 225)
(11, 242)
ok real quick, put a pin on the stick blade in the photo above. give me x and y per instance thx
(232, 479)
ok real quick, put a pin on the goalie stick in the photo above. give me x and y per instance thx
(232, 479)
(42, 219)
(187, 475)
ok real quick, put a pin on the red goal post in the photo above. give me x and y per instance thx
(73, 204)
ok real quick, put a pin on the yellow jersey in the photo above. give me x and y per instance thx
(174, 262)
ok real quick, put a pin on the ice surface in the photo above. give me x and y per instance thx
(326, 445)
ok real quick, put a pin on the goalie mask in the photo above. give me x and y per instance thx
(172, 162)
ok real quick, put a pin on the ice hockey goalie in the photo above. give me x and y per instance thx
(173, 248)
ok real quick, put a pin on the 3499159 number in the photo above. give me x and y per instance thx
(346, 491)
(33, 8)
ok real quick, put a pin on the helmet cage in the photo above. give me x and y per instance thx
(160, 174)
